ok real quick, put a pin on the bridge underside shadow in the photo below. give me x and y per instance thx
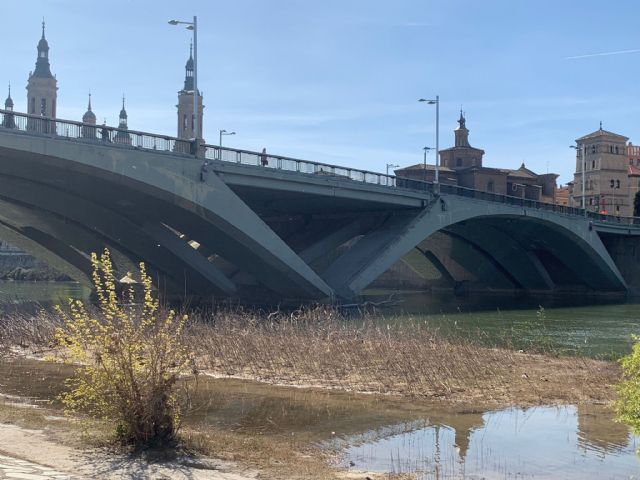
(61, 210)
(457, 241)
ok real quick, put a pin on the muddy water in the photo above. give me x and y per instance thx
(387, 435)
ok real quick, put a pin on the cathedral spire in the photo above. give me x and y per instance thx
(123, 116)
(462, 120)
(43, 69)
(462, 133)
(122, 136)
(89, 116)
(8, 103)
(189, 69)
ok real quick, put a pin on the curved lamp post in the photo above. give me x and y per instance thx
(583, 152)
(224, 132)
(435, 102)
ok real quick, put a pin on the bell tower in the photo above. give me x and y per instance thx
(185, 104)
(42, 87)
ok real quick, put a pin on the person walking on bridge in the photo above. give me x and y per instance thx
(263, 158)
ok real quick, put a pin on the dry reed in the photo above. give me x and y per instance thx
(368, 353)
(320, 347)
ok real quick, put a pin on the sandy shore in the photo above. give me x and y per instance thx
(34, 446)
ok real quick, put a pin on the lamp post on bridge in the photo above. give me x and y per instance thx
(391, 165)
(224, 132)
(424, 165)
(582, 152)
(435, 102)
(194, 27)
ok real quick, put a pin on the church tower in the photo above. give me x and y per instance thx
(462, 154)
(185, 105)
(89, 118)
(462, 133)
(42, 89)
(8, 121)
(123, 136)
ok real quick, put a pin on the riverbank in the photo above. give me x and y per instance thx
(349, 374)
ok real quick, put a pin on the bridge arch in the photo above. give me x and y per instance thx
(537, 248)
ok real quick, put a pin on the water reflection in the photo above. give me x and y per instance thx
(545, 442)
(24, 295)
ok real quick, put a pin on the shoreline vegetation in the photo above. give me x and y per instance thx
(409, 364)
(322, 348)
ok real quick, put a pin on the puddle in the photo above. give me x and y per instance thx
(564, 442)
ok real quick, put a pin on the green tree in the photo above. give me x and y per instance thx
(628, 403)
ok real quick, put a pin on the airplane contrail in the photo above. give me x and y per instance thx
(603, 54)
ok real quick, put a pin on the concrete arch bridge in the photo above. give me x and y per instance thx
(212, 221)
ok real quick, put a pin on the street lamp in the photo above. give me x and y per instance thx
(224, 132)
(424, 165)
(435, 102)
(391, 165)
(583, 152)
(193, 26)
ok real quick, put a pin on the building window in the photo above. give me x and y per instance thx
(612, 183)
(610, 148)
(617, 152)
(618, 209)
(458, 162)
(32, 110)
(617, 183)
(490, 186)
(593, 164)
(43, 107)
(184, 122)
(591, 201)
(593, 149)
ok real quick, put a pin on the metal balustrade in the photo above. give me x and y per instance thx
(278, 162)
(88, 133)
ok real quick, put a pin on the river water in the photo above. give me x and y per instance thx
(563, 442)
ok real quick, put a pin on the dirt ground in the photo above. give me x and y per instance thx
(36, 446)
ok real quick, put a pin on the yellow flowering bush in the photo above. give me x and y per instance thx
(628, 403)
(130, 354)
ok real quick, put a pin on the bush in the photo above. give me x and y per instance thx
(628, 403)
(131, 355)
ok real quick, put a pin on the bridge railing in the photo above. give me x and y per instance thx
(529, 203)
(89, 133)
(86, 132)
(278, 162)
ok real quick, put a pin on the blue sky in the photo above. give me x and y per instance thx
(338, 80)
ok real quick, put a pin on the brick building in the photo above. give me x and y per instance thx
(462, 165)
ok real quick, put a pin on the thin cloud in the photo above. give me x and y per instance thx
(603, 54)
(416, 25)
